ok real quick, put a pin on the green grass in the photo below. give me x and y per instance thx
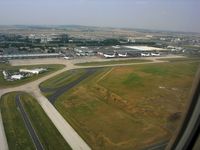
(4, 83)
(16, 132)
(154, 70)
(4, 65)
(17, 136)
(131, 106)
(133, 78)
(49, 136)
(111, 62)
(188, 59)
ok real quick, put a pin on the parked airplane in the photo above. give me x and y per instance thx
(155, 54)
(145, 54)
(78, 54)
(122, 55)
(66, 57)
(100, 53)
(109, 56)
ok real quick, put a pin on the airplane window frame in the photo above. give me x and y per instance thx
(187, 134)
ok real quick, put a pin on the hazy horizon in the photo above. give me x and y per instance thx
(166, 15)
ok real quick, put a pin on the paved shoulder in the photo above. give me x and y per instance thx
(68, 133)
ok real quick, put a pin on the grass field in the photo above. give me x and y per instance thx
(17, 136)
(16, 131)
(111, 62)
(4, 83)
(192, 59)
(129, 107)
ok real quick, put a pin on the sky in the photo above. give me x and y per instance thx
(172, 15)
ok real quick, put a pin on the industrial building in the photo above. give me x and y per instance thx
(22, 73)
(45, 55)
(33, 71)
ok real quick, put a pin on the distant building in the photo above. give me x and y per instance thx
(41, 55)
(145, 48)
(33, 71)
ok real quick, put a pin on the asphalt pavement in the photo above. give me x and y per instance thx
(28, 124)
(63, 89)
